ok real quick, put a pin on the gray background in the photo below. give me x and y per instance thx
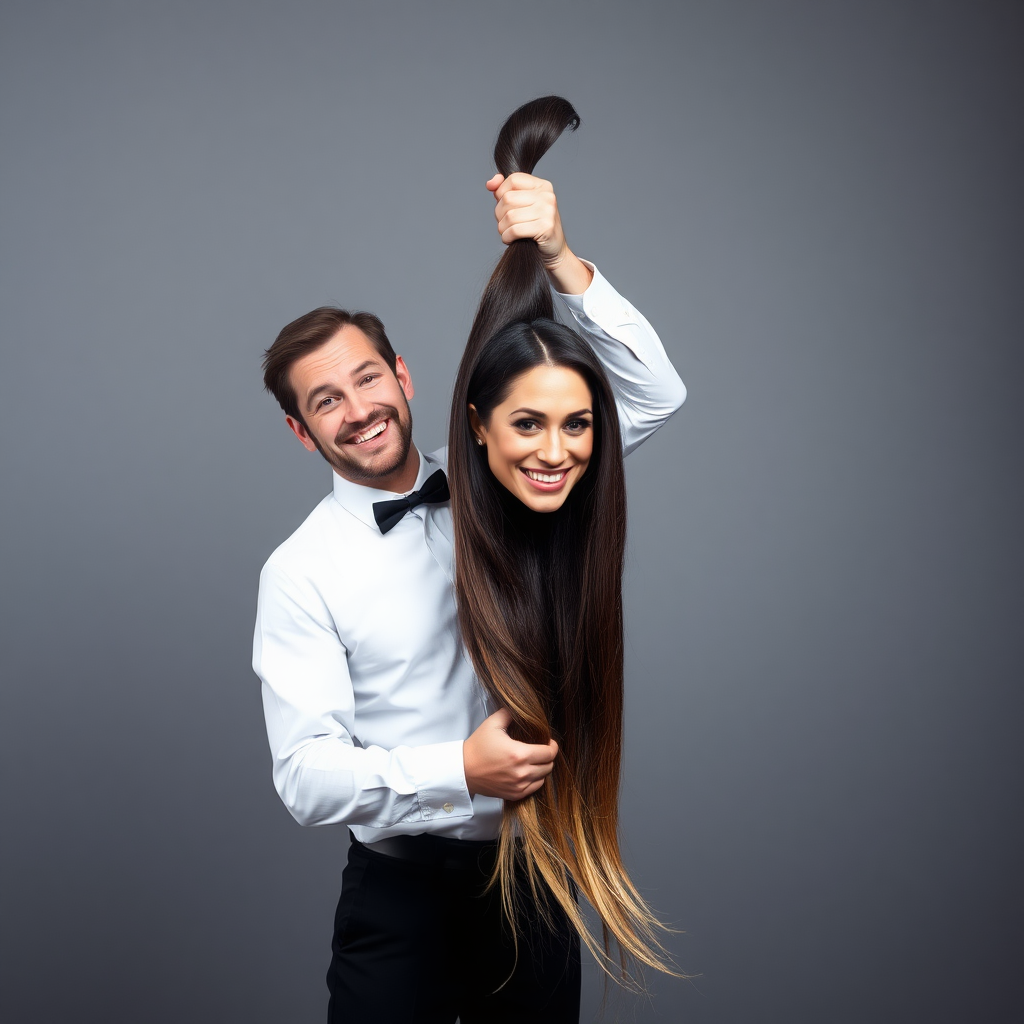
(818, 206)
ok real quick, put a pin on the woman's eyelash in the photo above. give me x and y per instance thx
(570, 424)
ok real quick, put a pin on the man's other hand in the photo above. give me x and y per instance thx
(526, 207)
(497, 765)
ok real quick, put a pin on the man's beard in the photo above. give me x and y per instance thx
(352, 468)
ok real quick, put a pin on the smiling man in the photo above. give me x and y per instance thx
(353, 392)
(374, 716)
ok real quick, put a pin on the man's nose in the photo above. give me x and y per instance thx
(357, 408)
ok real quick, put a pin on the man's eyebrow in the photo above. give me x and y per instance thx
(321, 388)
(318, 390)
(365, 365)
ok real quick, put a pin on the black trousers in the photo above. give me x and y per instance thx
(424, 944)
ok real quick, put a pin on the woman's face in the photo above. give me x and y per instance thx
(540, 439)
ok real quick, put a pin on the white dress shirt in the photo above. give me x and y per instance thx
(367, 692)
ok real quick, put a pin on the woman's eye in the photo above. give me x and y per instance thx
(526, 424)
(577, 426)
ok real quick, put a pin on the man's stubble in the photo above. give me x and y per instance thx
(365, 472)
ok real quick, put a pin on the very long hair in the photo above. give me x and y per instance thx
(540, 610)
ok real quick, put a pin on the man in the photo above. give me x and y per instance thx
(374, 716)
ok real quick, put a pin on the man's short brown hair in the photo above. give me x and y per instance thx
(308, 333)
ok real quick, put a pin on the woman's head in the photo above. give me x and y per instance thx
(539, 440)
(538, 410)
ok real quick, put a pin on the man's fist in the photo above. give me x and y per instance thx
(526, 207)
(497, 765)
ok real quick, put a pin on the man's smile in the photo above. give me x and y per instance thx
(370, 433)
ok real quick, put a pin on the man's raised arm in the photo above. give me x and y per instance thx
(647, 388)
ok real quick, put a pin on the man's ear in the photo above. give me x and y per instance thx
(404, 377)
(298, 428)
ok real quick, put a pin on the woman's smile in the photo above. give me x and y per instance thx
(540, 438)
(544, 480)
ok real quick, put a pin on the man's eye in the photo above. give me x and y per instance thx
(324, 403)
(369, 378)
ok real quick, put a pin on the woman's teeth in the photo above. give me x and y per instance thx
(545, 478)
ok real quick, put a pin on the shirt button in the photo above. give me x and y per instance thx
(449, 808)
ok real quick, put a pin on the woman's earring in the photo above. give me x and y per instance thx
(479, 440)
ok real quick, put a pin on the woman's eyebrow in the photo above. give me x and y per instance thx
(537, 415)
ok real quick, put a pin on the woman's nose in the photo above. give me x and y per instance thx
(552, 450)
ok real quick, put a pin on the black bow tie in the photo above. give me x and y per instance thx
(389, 513)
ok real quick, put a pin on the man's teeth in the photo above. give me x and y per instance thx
(371, 433)
(546, 478)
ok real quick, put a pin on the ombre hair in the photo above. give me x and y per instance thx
(540, 597)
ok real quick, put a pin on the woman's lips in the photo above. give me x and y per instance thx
(548, 481)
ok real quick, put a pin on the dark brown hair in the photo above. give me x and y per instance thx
(540, 594)
(308, 333)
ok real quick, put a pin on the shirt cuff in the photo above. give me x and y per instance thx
(439, 774)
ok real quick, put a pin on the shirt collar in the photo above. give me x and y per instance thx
(358, 498)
